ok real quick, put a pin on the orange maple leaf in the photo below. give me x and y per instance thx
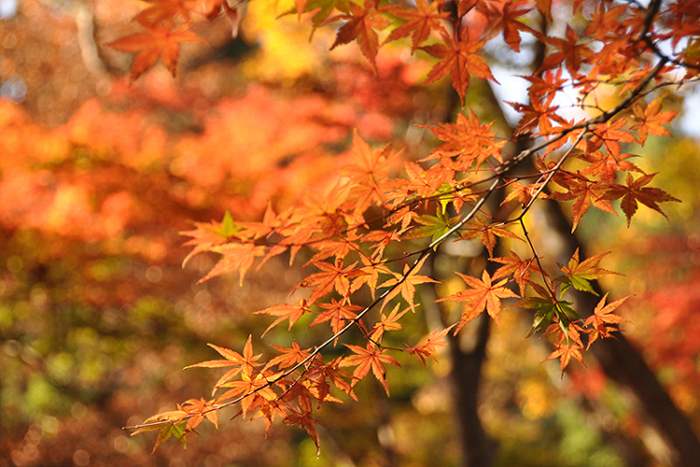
(361, 24)
(290, 356)
(610, 135)
(387, 323)
(333, 277)
(405, 284)
(634, 192)
(285, 311)
(162, 11)
(569, 51)
(651, 118)
(467, 139)
(371, 357)
(245, 362)
(585, 194)
(419, 22)
(519, 268)
(487, 233)
(504, 17)
(199, 409)
(235, 256)
(337, 312)
(602, 321)
(428, 349)
(483, 295)
(459, 60)
(159, 42)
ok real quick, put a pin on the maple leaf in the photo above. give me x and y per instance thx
(361, 24)
(432, 226)
(487, 233)
(545, 7)
(159, 42)
(543, 86)
(333, 277)
(634, 192)
(428, 349)
(482, 295)
(162, 11)
(204, 237)
(565, 351)
(610, 135)
(459, 60)
(235, 256)
(524, 193)
(468, 140)
(585, 194)
(241, 363)
(579, 273)
(323, 374)
(419, 22)
(651, 118)
(255, 387)
(369, 275)
(289, 357)
(602, 322)
(305, 421)
(538, 113)
(257, 230)
(504, 17)
(171, 429)
(519, 268)
(285, 311)
(371, 357)
(606, 166)
(369, 173)
(387, 323)
(405, 284)
(337, 312)
(199, 409)
(569, 51)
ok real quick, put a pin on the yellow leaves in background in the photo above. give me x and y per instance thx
(286, 52)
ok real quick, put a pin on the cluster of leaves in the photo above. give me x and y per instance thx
(364, 236)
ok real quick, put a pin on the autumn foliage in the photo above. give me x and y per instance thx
(363, 239)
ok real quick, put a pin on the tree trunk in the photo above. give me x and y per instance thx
(478, 449)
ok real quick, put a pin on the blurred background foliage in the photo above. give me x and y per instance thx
(97, 317)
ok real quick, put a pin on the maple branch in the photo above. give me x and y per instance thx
(645, 37)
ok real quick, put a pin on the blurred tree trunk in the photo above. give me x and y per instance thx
(624, 365)
(468, 356)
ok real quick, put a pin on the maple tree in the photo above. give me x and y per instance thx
(372, 200)
(365, 236)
